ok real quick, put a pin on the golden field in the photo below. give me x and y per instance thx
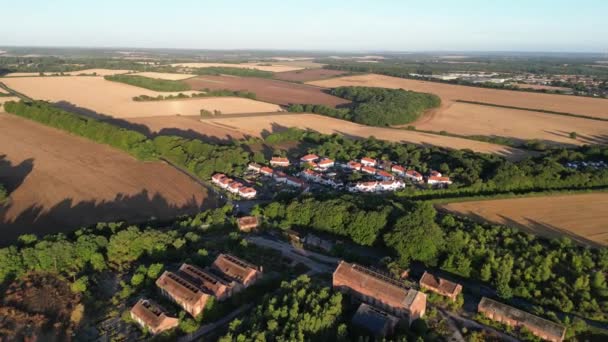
(116, 99)
(165, 75)
(259, 66)
(583, 217)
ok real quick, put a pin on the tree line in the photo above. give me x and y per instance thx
(155, 84)
(242, 72)
(207, 93)
(376, 106)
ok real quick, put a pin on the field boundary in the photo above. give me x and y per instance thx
(512, 195)
(581, 116)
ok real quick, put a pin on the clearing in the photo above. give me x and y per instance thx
(116, 99)
(308, 75)
(259, 124)
(522, 125)
(259, 66)
(164, 75)
(450, 93)
(583, 218)
(59, 182)
(269, 90)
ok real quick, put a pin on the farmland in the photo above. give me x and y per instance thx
(450, 93)
(187, 127)
(116, 99)
(259, 66)
(308, 75)
(256, 125)
(472, 119)
(164, 75)
(60, 182)
(580, 217)
(273, 91)
(97, 72)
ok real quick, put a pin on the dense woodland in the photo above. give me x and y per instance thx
(156, 84)
(299, 311)
(376, 106)
(242, 72)
(556, 274)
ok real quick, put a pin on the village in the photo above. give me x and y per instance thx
(312, 172)
(383, 302)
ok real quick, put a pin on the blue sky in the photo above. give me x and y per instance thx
(464, 25)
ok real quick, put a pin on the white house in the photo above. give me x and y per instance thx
(234, 187)
(326, 163)
(217, 178)
(366, 186)
(368, 169)
(296, 182)
(279, 161)
(354, 165)
(265, 170)
(247, 192)
(439, 180)
(254, 167)
(384, 175)
(280, 177)
(413, 175)
(400, 170)
(368, 161)
(309, 158)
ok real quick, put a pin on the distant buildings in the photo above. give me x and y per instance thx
(152, 317)
(380, 291)
(511, 316)
(440, 286)
(233, 186)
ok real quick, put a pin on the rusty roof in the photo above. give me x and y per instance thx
(234, 267)
(179, 288)
(205, 280)
(149, 312)
(525, 318)
(375, 284)
(248, 221)
(438, 283)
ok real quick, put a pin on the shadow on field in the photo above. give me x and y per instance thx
(12, 176)
(143, 129)
(67, 216)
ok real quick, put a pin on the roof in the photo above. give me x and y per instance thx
(326, 161)
(149, 312)
(527, 319)
(440, 284)
(398, 168)
(354, 164)
(435, 173)
(246, 190)
(309, 157)
(179, 288)
(279, 160)
(413, 173)
(234, 267)
(248, 221)
(373, 319)
(369, 160)
(207, 281)
(226, 180)
(439, 179)
(384, 173)
(375, 284)
(369, 169)
(266, 169)
(280, 174)
(235, 185)
(256, 165)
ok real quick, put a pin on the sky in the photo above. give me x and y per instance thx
(332, 25)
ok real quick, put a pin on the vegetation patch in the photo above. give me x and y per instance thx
(206, 93)
(243, 72)
(156, 84)
(376, 106)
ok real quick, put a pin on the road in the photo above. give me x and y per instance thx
(325, 264)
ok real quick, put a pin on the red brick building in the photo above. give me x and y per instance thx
(183, 292)
(379, 290)
(248, 223)
(151, 316)
(210, 283)
(511, 316)
(237, 269)
(440, 286)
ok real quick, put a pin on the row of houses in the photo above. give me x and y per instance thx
(191, 287)
(277, 176)
(370, 166)
(232, 186)
(375, 186)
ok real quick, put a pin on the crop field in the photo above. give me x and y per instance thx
(256, 125)
(188, 127)
(539, 87)
(116, 99)
(583, 218)
(259, 66)
(472, 119)
(164, 75)
(268, 90)
(98, 72)
(450, 93)
(60, 182)
(308, 75)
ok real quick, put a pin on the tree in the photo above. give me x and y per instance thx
(416, 236)
(573, 135)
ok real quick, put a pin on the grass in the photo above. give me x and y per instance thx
(149, 83)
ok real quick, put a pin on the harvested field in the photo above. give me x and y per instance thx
(583, 218)
(59, 182)
(116, 99)
(164, 75)
(187, 127)
(259, 66)
(539, 87)
(450, 93)
(472, 119)
(308, 75)
(257, 125)
(99, 72)
(268, 90)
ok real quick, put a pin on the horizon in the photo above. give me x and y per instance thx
(387, 26)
